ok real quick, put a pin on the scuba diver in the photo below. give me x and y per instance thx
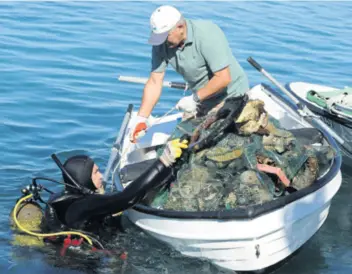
(82, 209)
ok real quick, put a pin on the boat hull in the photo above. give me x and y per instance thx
(244, 245)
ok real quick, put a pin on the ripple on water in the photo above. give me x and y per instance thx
(59, 94)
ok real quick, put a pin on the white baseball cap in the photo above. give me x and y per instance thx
(162, 20)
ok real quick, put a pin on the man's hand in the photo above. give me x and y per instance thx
(187, 104)
(172, 151)
(138, 129)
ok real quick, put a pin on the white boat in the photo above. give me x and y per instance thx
(337, 116)
(240, 239)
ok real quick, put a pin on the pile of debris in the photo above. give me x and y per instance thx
(239, 156)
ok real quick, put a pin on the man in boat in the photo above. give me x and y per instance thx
(200, 52)
(82, 207)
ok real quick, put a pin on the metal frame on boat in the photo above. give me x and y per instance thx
(240, 239)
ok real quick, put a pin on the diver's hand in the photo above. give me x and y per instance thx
(138, 129)
(172, 151)
(187, 104)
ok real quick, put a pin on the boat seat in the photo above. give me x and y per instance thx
(308, 136)
(133, 171)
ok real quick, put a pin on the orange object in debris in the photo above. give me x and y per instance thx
(123, 256)
(275, 170)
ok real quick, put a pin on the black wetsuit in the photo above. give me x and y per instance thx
(69, 210)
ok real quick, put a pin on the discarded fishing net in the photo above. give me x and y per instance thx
(240, 156)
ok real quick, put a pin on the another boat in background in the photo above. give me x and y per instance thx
(333, 105)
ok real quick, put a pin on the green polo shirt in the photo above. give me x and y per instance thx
(205, 51)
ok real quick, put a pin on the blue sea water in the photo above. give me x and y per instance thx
(59, 93)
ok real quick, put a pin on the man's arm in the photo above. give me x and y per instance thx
(151, 93)
(220, 80)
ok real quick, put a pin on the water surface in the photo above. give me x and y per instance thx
(59, 94)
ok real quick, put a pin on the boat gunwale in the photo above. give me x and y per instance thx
(257, 210)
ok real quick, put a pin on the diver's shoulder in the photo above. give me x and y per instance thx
(63, 195)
